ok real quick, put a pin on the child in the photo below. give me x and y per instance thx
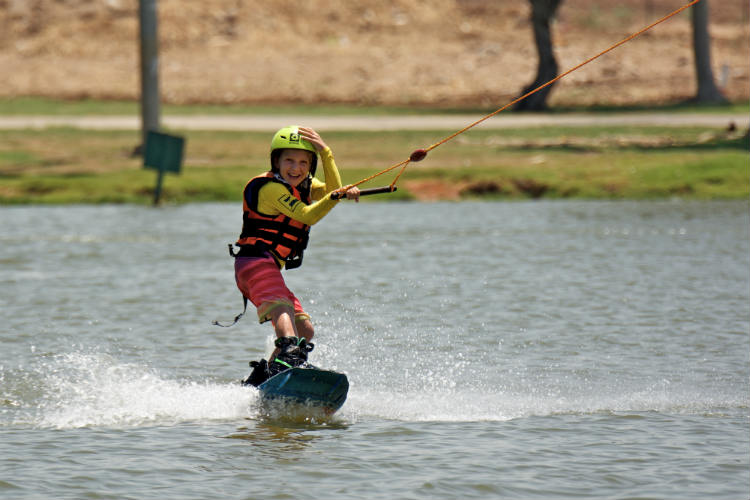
(278, 209)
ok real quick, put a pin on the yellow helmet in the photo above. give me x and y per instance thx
(289, 138)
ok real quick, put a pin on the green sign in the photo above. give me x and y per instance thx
(163, 152)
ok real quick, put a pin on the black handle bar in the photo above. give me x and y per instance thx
(366, 192)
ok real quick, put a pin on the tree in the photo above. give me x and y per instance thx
(542, 13)
(708, 92)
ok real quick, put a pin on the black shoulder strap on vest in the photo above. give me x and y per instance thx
(258, 182)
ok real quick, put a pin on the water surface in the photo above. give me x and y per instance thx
(494, 350)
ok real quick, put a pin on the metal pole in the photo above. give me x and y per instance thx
(149, 68)
(159, 182)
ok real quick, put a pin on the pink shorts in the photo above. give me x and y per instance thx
(259, 279)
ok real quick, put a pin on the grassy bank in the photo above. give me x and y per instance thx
(68, 165)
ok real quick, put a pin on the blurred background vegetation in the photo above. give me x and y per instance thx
(286, 59)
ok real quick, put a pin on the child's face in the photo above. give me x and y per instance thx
(294, 165)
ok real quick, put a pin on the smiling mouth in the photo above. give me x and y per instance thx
(294, 178)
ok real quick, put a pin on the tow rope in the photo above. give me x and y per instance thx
(420, 154)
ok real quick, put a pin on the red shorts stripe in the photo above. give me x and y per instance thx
(260, 280)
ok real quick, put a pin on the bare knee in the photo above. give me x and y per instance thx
(283, 322)
(305, 328)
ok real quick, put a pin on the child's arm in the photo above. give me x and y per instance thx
(331, 174)
(274, 198)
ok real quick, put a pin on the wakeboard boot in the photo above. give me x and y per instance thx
(259, 374)
(293, 353)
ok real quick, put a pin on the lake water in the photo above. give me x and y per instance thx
(494, 350)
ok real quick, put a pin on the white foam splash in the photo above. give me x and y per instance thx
(465, 405)
(96, 390)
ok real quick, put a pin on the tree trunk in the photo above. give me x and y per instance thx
(542, 12)
(708, 92)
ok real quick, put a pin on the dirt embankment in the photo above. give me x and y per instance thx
(404, 52)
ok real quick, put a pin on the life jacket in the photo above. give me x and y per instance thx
(283, 236)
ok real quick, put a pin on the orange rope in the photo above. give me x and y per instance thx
(423, 152)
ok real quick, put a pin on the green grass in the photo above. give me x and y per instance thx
(67, 165)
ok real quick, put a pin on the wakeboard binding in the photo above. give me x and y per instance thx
(293, 353)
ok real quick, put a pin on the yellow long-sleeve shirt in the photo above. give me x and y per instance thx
(274, 199)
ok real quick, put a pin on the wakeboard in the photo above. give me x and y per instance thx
(307, 386)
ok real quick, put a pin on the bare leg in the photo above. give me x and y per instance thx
(283, 323)
(305, 328)
(282, 318)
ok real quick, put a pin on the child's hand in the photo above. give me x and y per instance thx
(313, 137)
(353, 194)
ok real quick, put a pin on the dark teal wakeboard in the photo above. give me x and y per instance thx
(307, 386)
